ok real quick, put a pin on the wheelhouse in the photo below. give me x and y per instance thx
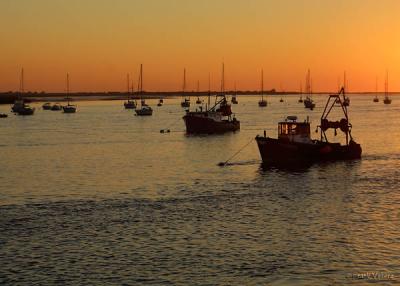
(293, 131)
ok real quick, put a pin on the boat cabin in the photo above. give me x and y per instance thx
(293, 131)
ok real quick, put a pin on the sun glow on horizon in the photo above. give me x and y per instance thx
(98, 42)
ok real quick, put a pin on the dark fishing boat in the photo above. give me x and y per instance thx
(294, 145)
(145, 110)
(217, 119)
(69, 108)
(262, 102)
(20, 107)
(185, 100)
(130, 103)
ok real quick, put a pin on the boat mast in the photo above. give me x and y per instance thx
(184, 84)
(68, 88)
(387, 85)
(376, 87)
(262, 85)
(141, 85)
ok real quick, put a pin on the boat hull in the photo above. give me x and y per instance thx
(129, 105)
(144, 112)
(204, 125)
(280, 152)
(69, 109)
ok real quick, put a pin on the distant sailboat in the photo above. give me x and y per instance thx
(309, 102)
(145, 110)
(387, 100)
(69, 108)
(20, 107)
(281, 100)
(234, 97)
(46, 106)
(376, 99)
(56, 107)
(185, 100)
(198, 101)
(262, 102)
(130, 103)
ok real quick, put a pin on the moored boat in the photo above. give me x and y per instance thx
(185, 100)
(69, 108)
(144, 110)
(56, 107)
(262, 102)
(46, 106)
(3, 115)
(20, 107)
(217, 119)
(308, 102)
(294, 144)
(130, 103)
(387, 100)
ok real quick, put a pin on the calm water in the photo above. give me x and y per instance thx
(101, 197)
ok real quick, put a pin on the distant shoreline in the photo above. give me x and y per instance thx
(9, 97)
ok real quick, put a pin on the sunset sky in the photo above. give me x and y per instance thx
(99, 41)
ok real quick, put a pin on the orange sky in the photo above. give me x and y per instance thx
(99, 41)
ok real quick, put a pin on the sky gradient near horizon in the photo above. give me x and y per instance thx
(99, 41)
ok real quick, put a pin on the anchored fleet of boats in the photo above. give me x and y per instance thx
(293, 144)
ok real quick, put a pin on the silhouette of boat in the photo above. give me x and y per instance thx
(145, 110)
(130, 103)
(69, 108)
(387, 100)
(160, 102)
(217, 119)
(3, 115)
(56, 107)
(376, 99)
(294, 144)
(301, 94)
(46, 106)
(20, 107)
(308, 102)
(262, 102)
(185, 100)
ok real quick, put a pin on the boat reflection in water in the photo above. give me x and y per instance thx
(294, 144)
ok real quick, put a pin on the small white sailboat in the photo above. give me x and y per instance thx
(145, 110)
(69, 108)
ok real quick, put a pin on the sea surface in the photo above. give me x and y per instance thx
(101, 197)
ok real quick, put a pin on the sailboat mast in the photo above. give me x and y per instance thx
(184, 83)
(376, 86)
(68, 87)
(262, 84)
(387, 85)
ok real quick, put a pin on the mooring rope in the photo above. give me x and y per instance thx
(222, 164)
